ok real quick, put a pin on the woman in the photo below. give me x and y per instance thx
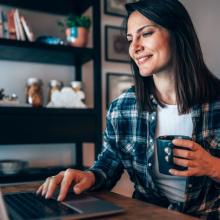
(174, 93)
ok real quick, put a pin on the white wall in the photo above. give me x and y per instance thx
(206, 17)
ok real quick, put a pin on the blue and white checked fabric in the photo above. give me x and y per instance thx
(129, 144)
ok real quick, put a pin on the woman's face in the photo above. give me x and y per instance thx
(149, 45)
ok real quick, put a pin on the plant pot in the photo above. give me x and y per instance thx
(77, 36)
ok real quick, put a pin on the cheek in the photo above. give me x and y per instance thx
(162, 43)
(167, 52)
(130, 51)
(164, 50)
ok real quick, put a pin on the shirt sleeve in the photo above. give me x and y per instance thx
(108, 168)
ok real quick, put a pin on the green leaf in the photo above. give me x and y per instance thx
(73, 20)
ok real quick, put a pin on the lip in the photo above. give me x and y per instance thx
(143, 59)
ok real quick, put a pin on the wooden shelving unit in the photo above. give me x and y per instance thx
(26, 125)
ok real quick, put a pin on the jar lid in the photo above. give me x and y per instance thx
(33, 80)
(76, 84)
(55, 82)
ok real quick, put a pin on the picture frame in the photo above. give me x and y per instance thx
(116, 45)
(116, 7)
(116, 84)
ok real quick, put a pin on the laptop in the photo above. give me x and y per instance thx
(28, 205)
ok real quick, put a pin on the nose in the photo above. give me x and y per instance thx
(137, 46)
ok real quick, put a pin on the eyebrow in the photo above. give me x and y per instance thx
(140, 29)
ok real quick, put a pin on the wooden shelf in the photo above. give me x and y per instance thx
(34, 174)
(25, 51)
(55, 6)
(26, 125)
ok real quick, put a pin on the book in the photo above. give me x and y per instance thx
(5, 25)
(27, 30)
(18, 27)
(11, 25)
(1, 24)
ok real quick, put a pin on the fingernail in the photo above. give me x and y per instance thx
(47, 196)
(77, 189)
(171, 171)
(59, 198)
(174, 141)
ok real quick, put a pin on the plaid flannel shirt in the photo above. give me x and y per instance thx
(129, 144)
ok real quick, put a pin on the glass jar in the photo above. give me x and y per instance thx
(77, 87)
(54, 85)
(34, 92)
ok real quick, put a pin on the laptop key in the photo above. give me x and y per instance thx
(32, 206)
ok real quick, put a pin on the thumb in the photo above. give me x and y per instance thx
(81, 186)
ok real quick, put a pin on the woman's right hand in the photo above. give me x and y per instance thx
(82, 179)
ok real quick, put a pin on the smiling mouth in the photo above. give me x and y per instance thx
(143, 59)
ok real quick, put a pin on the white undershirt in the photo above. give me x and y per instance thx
(169, 122)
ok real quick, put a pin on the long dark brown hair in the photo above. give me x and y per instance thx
(194, 83)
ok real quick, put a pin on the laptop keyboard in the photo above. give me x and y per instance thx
(31, 206)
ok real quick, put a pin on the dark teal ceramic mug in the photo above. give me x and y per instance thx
(165, 153)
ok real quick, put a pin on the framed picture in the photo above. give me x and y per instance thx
(116, 7)
(116, 84)
(116, 45)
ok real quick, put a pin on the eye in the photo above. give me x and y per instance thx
(129, 41)
(146, 34)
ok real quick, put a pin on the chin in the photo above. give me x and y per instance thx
(146, 73)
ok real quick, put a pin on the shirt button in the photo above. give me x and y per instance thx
(190, 185)
(152, 117)
(151, 140)
(150, 164)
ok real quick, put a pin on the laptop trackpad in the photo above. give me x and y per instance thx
(88, 204)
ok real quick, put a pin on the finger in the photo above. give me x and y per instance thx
(68, 178)
(183, 162)
(185, 143)
(39, 190)
(81, 186)
(185, 173)
(54, 182)
(183, 153)
(45, 187)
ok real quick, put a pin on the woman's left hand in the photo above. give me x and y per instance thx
(197, 159)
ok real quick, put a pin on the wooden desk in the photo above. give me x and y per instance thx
(134, 209)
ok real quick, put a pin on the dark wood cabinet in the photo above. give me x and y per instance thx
(25, 125)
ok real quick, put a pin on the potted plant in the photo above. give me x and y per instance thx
(76, 29)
